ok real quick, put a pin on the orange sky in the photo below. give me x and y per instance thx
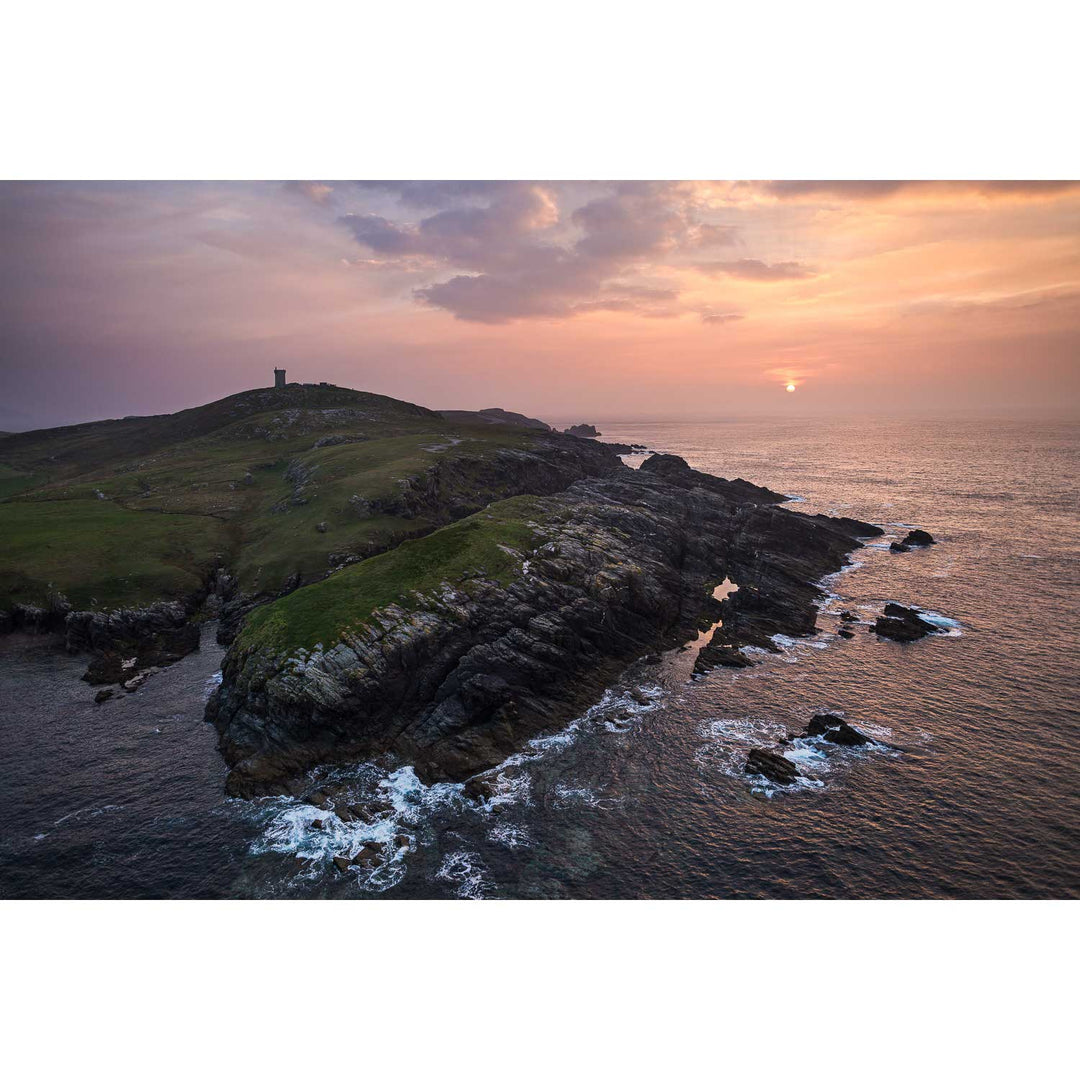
(561, 299)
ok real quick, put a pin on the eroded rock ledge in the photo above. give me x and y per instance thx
(511, 622)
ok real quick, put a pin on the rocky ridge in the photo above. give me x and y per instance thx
(455, 678)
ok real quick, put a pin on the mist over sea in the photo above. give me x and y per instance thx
(645, 796)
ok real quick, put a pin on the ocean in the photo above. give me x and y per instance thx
(975, 794)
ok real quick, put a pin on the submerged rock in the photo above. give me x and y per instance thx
(369, 855)
(772, 766)
(480, 787)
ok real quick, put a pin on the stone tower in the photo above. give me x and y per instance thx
(279, 378)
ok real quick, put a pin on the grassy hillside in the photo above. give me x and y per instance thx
(493, 542)
(274, 483)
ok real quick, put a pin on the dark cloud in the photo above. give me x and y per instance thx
(382, 236)
(756, 270)
(522, 258)
(721, 318)
(635, 220)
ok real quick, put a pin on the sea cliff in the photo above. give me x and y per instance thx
(453, 649)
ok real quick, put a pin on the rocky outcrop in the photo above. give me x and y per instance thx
(625, 449)
(716, 654)
(676, 471)
(494, 416)
(772, 766)
(582, 431)
(902, 624)
(130, 640)
(836, 729)
(915, 538)
(456, 678)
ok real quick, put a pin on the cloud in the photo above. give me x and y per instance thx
(756, 270)
(1057, 297)
(517, 255)
(433, 194)
(716, 236)
(721, 318)
(882, 189)
(314, 190)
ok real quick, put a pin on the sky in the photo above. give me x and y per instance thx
(585, 300)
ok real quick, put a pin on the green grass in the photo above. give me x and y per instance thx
(12, 481)
(100, 555)
(181, 488)
(319, 613)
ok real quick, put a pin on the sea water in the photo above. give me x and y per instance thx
(970, 790)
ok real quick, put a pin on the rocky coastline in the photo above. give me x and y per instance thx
(459, 676)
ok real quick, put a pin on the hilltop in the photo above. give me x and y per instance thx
(276, 486)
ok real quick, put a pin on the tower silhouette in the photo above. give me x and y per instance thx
(279, 378)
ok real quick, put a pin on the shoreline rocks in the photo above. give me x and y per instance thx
(459, 678)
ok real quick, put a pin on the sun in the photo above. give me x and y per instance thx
(790, 388)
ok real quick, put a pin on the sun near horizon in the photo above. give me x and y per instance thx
(602, 299)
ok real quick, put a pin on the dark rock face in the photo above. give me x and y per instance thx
(902, 624)
(836, 729)
(130, 640)
(915, 538)
(582, 431)
(626, 448)
(772, 766)
(715, 654)
(673, 469)
(458, 682)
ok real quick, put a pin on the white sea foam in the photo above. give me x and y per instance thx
(89, 811)
(511, 836)
(951, 627)
(566, 796)
(464, 869)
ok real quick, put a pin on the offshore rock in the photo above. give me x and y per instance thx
(454, 679)
(836, 729)
(915, 538)
(902, 624)
(772, 766)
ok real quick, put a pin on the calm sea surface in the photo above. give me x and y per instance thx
(979, 798)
